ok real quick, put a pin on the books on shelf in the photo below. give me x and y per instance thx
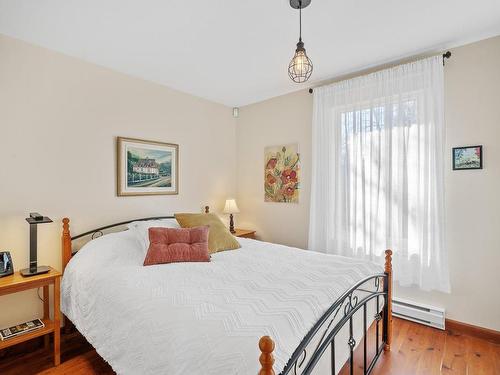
(19, 329)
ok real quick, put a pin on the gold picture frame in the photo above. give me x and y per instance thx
(146, 167)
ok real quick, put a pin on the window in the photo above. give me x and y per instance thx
(378, 171)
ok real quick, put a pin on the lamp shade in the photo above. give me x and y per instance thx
(301, 67)
(231, 207)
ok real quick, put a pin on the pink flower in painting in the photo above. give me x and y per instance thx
(289, 190)
(271, 163)
(478, 152)
(288, 176)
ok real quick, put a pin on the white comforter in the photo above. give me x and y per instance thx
(200, 318)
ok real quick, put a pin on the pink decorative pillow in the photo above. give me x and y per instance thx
(169, 245)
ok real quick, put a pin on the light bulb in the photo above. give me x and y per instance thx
(300, 64)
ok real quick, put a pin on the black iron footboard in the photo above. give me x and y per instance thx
(334, 319)
(324, 334)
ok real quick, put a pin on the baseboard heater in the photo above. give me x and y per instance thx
(419, 313)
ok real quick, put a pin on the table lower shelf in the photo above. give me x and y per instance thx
(49, 328)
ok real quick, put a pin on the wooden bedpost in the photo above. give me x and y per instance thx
(66, 243)
(266, 359)
(388, 271)
(66, 256)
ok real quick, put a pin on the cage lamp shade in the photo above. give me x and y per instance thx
(231, 207)
(301, 67)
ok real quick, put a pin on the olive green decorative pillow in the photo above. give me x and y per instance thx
(219, 237)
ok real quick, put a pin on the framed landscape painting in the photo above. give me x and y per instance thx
(282, 173)
(146, 167)
(469, 157)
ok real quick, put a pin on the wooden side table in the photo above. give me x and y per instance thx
(246, 233)
(17, 283)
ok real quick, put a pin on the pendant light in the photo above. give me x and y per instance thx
(301, 67)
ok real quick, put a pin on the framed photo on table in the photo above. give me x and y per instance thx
(147, 167)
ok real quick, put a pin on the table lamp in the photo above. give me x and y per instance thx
(231, 208)
(35, 219)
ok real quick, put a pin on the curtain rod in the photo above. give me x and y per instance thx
(446, 55)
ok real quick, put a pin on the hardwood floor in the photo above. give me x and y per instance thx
(416, 350)
(422, 350)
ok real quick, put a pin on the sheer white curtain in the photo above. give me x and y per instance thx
(378, 149)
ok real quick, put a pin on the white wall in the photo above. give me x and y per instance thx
(283, 120)
(59, 117)
(472, 89)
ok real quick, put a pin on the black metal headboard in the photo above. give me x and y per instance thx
(98, 232)
(95, 233)
(76, 242)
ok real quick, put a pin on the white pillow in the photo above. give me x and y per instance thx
(166, 223)
(141, 230)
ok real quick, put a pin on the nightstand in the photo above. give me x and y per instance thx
(246, 233)
(17, 283)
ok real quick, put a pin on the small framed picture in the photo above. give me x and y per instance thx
(468, 157)
(147, 167)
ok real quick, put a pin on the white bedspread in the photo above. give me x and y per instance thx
(200, 318)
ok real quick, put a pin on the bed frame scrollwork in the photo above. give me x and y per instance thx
(322, 336)
(340, 316)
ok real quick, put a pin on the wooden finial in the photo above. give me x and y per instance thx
(207, 209)
(266, 346)
(388, 271)
(388, 261)
(66, 243)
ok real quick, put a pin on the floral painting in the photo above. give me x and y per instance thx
(469, 157)
(281, 173)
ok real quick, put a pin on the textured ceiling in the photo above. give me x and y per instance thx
(236, 52)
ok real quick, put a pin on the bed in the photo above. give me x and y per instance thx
(264, 308)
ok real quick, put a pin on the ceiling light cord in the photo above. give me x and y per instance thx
(300, 20)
